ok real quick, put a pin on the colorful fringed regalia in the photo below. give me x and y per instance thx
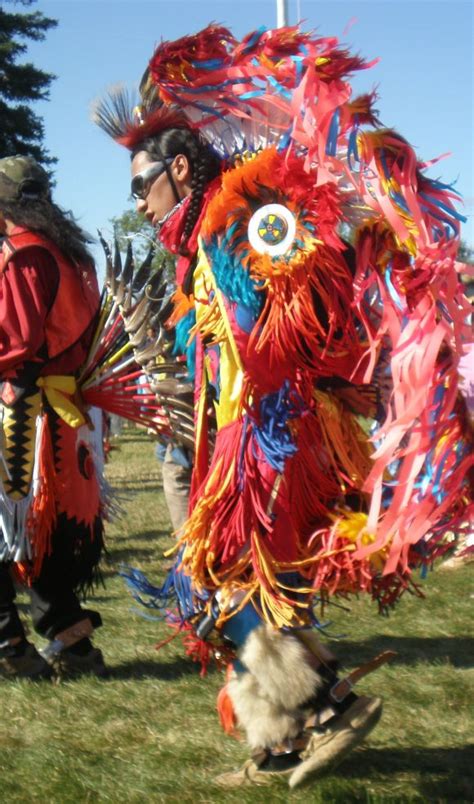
(328, 321)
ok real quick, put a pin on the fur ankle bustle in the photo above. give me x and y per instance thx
(265, 722)
(280, 679)
(282, 666)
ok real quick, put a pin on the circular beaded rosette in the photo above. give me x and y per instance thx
(271, 230)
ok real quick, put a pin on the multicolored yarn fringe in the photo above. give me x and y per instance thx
(343, 454)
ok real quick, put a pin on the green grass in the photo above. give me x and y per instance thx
(150, 733)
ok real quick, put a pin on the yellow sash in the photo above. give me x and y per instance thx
(59, 389)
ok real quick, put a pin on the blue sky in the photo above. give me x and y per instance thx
(424, 78)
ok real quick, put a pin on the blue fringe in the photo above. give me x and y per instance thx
(231, 278)
(176, 591)
(352, 150)
(181, 346)
(331, 144)
(272, 433)
(254, 39)
(209, 64)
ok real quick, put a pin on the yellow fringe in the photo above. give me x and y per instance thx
(347, 446)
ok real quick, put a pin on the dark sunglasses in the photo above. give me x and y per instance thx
(141, 183)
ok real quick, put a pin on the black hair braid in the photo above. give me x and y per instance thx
(199, 181)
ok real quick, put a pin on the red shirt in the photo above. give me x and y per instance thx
(28, 287)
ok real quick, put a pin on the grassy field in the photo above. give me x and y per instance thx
(150, 733)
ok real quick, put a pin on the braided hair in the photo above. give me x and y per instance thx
(204, 163)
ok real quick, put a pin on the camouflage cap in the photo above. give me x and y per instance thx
(22, 178)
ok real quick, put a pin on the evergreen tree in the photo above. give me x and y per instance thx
(21, 130)
(132, 225)
(466, 253)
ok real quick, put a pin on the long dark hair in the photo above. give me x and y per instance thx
(204, 163)
(43, 216)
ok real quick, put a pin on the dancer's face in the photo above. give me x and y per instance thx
(151, 183)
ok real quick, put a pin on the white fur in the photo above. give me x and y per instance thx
(281, 665)
(279, 680)
(265, 723)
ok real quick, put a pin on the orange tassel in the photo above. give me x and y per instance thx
(225, 708)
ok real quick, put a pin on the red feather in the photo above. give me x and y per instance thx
(160, 119)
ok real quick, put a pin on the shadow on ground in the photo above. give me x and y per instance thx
(166, 671)
(458, 651)
(129, 555)
(145, 486)
(144, 535)
(446, 774)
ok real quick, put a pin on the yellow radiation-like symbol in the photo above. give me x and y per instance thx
(271, 230)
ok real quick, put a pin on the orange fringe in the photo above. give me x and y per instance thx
(225, 709)
(43, 514)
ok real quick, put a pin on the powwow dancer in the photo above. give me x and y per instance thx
(341, 456)
(61, 351)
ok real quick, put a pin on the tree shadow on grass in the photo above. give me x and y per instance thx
(145, 486)
(458, 651)
(128, 555)
(445, 774)
(112, 571)
(99, 598)
(144, 535)
(166, 671)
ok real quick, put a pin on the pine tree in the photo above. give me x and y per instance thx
(466, 253)
(132, 225)
(21, 130)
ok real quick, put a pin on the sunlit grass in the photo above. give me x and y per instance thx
(149, 733)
